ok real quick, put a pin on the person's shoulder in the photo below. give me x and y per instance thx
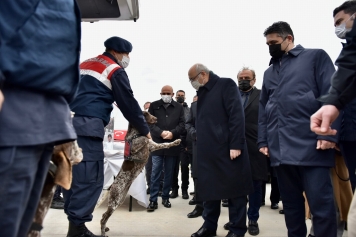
(310, 51)
(176, 104)
(119, 72)
(156, 103)
(256, 90)
(227, 80)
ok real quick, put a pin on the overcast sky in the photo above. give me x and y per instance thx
(225, 35)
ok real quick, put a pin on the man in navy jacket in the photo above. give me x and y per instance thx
(39, 58)
(302, 160)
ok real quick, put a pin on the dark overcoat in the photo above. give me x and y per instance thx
(220, 127)
(258, 162)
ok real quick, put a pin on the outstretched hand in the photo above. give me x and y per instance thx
(321, 121)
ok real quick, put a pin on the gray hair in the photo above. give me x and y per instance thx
(247, 69)
(201, 68)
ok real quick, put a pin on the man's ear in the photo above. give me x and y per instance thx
(290, 38)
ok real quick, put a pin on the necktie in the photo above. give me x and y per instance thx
(244, 97)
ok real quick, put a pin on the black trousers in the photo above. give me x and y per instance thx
(237, 215)
(199, 204)
(185, 160)
(316, 183)
(275, 194)
(175, 185)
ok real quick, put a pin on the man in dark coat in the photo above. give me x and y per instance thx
(169, 127)
(250, 99)
(185, 155)
(302, 160)
(192, 134)
(39, 75)
(342, 92)
(223, 168)
(345, 14)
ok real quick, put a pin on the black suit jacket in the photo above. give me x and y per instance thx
(258, 161)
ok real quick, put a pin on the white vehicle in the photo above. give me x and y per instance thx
(116, 10)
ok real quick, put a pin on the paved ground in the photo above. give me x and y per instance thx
(168, 222)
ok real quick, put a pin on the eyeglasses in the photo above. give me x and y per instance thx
(192, 79)
(165, 93)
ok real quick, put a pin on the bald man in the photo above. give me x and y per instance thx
(170, 125)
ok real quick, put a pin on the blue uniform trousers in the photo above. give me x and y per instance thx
(237, 215)
(316, 183)
(87, 183)
(254, 201)
(348, 150)
(23, 170)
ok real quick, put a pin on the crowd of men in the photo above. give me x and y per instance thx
(303, 115)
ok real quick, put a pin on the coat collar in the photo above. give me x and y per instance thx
(213, 78)
(160, 102)
(110, 56)
(294, 52)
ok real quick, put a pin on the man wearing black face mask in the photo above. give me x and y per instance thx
(185, 156)
(301, 159)
(250, 99)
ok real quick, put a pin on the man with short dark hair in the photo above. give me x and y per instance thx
(185, 155)
(103, 81)
(344, 17)
(342, 92)
(343, 86)
(302, 160)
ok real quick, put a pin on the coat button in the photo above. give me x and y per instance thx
(166, 116)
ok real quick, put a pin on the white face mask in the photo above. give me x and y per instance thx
(124, 62)
(196, 84)
(166, 98)
(341, 30)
